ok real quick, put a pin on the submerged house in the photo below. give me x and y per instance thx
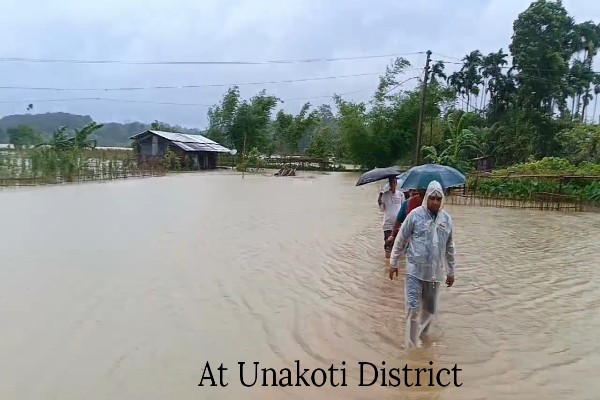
(194, 151)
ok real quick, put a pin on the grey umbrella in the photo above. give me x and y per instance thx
(377, 174)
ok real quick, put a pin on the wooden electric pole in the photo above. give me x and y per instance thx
(422, 112)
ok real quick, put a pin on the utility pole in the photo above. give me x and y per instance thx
(422, 112)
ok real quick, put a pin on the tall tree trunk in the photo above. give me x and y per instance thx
(483, 96)
(595, 105)
(431, 132)
(585, 104)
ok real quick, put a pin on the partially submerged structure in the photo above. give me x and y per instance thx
(485, 163)
(195, 152)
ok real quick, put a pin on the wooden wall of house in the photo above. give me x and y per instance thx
(207, 160)
(152, 145)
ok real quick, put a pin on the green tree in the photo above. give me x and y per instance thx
(24, 136)
(542, 48)
(290, 129)
(240, 123)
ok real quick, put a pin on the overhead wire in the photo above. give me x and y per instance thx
(109, 99)
(499, 66)
(190, 86)
(196, 62)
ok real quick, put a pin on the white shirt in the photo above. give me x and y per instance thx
(391, 203)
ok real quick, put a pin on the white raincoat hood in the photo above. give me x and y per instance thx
(434, 187)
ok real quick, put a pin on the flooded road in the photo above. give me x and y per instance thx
(124, 290)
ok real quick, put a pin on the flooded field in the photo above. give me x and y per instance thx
(126, 289)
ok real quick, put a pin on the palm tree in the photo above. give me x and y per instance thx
(437, 72)
(491, 72)
(472, 78)
(457, 81)
(596, 93)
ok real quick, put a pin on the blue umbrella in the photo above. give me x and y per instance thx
(401, 178)
(419, 177)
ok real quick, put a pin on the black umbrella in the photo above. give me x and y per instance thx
(377, 174)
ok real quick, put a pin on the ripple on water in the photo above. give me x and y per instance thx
(296, 271)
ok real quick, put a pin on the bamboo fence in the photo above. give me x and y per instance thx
(44, 166)
(555, 200)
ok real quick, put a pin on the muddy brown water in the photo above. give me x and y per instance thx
(124, 290)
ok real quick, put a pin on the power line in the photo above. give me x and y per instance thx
(109, 99)
(509, 67)
(100, 99)
(290, 61)
(196, 86)
(401, 83)
(452, 58)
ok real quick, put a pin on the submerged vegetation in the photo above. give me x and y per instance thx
(65, 158)
(550, 175)
(46, 165)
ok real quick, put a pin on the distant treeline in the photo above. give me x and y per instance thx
(112, 134)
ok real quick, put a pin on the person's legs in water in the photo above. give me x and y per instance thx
(387, 247)
(413, 292)
(429, 300)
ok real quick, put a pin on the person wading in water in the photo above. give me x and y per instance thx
(414, 201)
(390, 202)
(426, 239)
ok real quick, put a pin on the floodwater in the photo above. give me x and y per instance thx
(125, 290)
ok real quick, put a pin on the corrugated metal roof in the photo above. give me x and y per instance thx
(188, 142)
(201, 147)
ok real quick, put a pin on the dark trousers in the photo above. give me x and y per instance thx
(387, 246)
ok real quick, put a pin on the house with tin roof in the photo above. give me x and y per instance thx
(195, 152)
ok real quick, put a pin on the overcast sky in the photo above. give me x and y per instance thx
(231, 30)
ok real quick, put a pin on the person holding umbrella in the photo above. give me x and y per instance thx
(419, 178)
(426, 239)
(390, 202)
(414, 201)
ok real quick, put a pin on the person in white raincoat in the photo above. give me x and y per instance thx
(426, 239)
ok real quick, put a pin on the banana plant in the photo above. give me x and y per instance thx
(60, 140)
(81, 141)
(461, 140)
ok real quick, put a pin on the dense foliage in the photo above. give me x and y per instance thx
(542, 103)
